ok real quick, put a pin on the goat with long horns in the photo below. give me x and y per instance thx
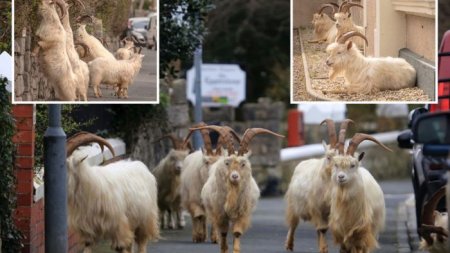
(167, 174)
(195, 172)
(309, 194)
(324, 25)
(117, 201)
(357, 212)
(366, 74)
(230, 194)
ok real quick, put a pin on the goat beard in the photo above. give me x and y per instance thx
(231, 203)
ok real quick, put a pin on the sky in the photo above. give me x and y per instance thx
(6, 68)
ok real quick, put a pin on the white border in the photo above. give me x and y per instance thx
(83, 102)
(434, 101)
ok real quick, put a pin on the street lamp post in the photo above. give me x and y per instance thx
(198, 114)
(55, 185)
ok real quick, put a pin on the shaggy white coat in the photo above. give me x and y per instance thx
(53, 58)
(117, 202)
(368, 74)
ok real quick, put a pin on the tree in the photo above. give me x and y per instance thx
(5, 26)
(256, 35)
(182, 29)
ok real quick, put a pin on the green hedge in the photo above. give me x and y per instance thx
(9, 234)
(114, 14)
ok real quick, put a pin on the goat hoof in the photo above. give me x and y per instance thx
(289, 246)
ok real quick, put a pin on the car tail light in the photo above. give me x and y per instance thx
(436, 166)
(444, 98)
(130, 23)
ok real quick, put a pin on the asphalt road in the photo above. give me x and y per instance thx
(143, 87)
(268, 230)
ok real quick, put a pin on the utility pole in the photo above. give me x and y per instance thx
(198, 114)
(55, 183)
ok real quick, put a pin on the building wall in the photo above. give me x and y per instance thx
(303, 11)
(421, 36)
(29, 214)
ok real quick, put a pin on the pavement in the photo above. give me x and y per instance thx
(142, 89)
(268, 231)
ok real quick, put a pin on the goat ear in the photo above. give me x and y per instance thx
(361, 156)
(349, 45)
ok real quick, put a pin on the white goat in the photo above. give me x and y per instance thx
(230, 194)
(125, 52)
(357, 213)
(309, 194)
(345, 24)
(114, 72)
(79, 67)
(167, 174)
(195, 172)
(433, 229)
(324, 25)
(96, 48)
(54, 60)
(117, 201)
(367, 74)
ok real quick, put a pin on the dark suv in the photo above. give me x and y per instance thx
(429, 139)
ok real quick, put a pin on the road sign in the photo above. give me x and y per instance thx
(222, 85)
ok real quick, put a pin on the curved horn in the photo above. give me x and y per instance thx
(223, 132)
(358, 138)
(344, 37)
(205, 136)
(342, 5)
(332, 139)
(84, 46)
(220, 142)
(428, 220)
(342, 133)
(82, 138)
(324, 6)
(346, 7)
(62, 7)
(175, 141)
(248, 136)
(335, 5)
(81, 19)
(341, 142)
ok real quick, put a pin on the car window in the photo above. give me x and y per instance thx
(434, 130)
(140, 24)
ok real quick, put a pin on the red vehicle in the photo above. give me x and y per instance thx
(443, 75)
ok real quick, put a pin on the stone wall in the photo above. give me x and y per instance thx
(144, 148)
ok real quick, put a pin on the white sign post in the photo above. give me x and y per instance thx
(222, 85)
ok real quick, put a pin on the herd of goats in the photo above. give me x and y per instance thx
(124, 201)
(362, 74)
(73, 62)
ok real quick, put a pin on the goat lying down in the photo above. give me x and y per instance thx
(367, 74)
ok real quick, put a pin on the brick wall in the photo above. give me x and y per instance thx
(29, 215)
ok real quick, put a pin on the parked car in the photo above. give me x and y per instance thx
(137, 30)
(152, 38)
(429, 139)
